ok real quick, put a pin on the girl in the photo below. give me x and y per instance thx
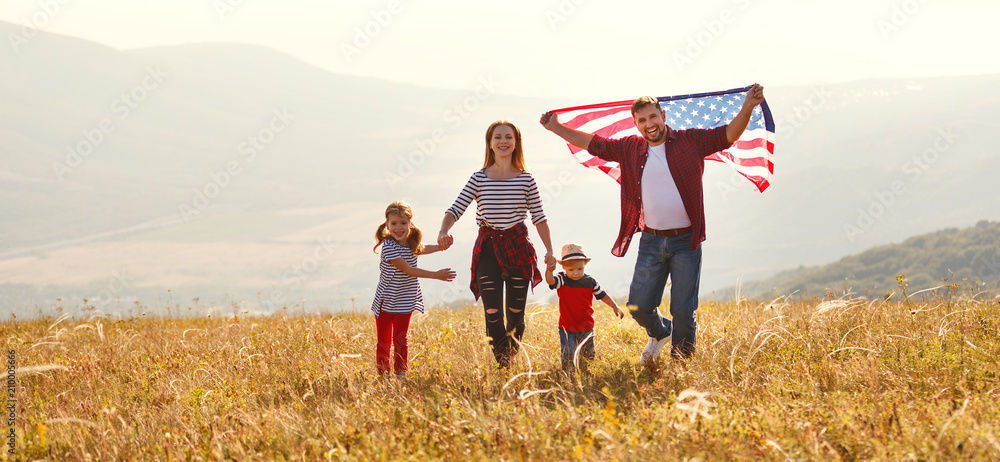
(505, 193)
(398, 293)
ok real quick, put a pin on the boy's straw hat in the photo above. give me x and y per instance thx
(573, 252)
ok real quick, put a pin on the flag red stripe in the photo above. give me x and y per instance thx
(616, 127)
(594, 162)
(593, 106)
(754, 143)
(742, 161)
(582, 119)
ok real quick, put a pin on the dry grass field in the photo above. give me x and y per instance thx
(834, 379)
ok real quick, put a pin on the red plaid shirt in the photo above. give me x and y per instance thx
(514, 253)
(686, 152)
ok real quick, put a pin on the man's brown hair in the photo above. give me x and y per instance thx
(642, 102)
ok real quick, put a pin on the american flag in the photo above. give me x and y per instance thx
(752, 155)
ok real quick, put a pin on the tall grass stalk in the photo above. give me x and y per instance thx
(842, 378)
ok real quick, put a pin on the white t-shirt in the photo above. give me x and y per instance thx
(662, 207)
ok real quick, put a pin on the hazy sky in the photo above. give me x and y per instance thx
(565, 48)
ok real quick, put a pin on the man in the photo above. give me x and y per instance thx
(662, 196)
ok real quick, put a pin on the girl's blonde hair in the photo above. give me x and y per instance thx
(517, 157)
(412, 241)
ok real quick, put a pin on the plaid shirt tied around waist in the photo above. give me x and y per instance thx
(514, 253)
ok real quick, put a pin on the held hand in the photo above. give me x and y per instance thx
(445, 240)
(550, 266)
(445, 275)
(550, 260)
(549, 120)
(755, 96)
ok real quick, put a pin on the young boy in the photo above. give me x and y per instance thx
(576, 312)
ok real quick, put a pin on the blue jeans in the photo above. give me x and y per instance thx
(570, 341)
(659, 257)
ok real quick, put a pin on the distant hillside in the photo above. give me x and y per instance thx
(971, 255)
(289, 168)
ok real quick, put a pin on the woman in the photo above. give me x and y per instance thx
(503, 259)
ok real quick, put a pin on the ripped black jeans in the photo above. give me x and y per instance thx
(504, 337)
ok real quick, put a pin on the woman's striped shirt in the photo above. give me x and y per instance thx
(500, 204)
(397, 291)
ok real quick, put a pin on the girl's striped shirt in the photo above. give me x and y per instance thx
(397, 291)
(500, 204)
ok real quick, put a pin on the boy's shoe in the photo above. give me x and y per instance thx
(401, 376)
(652, 351)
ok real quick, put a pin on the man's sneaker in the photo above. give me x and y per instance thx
(647, 351)
(652, 350)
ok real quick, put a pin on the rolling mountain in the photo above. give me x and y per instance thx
(246, 178)
(969, 257)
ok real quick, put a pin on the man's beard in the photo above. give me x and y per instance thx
(662, 132)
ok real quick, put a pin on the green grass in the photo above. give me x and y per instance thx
(840, 379)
